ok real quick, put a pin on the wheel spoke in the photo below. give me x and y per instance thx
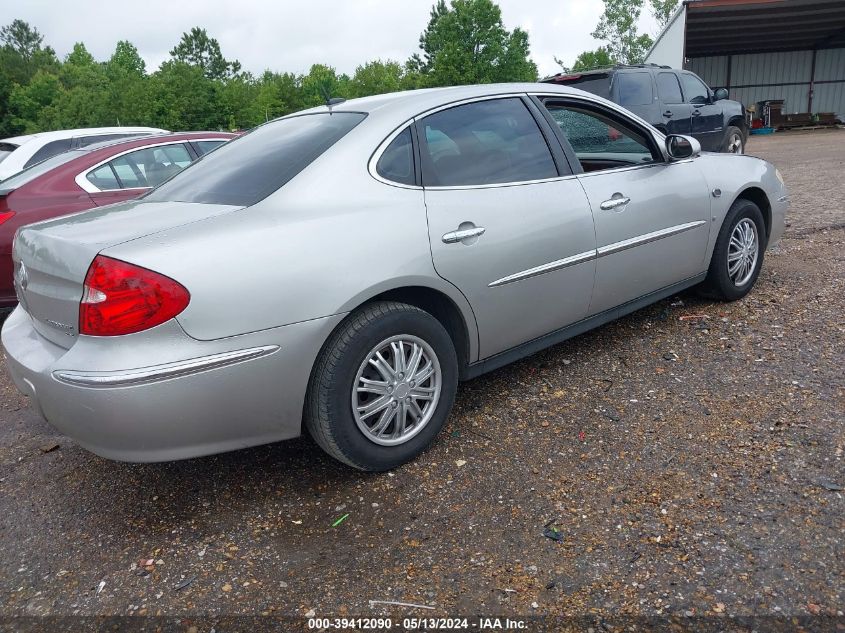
(414, 361)
(372, 386)
(398, 358)
(735, 242)
(422, 393)
(424, 374)
(382, 366)
(732, 257)
(373, 407)
(415, 410)
(383, 422)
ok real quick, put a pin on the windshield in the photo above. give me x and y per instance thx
(251, 167)
(36, 170)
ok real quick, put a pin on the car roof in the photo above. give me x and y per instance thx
(410, 103)
(85, 131)
(155, 139)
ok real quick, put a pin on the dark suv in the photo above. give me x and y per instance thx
(673, 101)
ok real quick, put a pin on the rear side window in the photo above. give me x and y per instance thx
(482, 143)
(204, 147)
(48, 151)
(147, 167)
(668, 88)
(397, 161)
(249, 168)
(634, 89)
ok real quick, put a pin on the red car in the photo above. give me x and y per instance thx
(93, 176)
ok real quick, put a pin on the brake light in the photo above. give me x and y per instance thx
(121, 298)
(567, 77)
(6, 215)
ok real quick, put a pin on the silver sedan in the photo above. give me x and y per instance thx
(341, 269)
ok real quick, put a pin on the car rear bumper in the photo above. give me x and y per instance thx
(161, 395)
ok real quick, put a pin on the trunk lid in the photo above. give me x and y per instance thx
(52, 258)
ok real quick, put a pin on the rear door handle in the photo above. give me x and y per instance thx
(668, 114)
(614, 203)
(452, 237)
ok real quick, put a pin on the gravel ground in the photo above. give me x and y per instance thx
(688, 455)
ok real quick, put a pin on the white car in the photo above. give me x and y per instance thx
(20, 152)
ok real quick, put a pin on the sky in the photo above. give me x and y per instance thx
(290, 35)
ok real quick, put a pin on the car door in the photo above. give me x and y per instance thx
(675, 114)
(508, 224)
(707, 125)
(652, 217)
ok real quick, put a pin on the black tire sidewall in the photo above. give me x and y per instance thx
(718, 273)
(351, 441)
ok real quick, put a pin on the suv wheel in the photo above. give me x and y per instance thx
(734, 141)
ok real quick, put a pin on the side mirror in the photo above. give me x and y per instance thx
(720, 94)
(680, 147)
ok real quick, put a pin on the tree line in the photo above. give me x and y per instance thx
(197, 88)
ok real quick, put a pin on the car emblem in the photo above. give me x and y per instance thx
(23, 277)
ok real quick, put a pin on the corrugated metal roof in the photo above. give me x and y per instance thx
(721, 27)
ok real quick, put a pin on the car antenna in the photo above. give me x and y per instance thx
(327, 96)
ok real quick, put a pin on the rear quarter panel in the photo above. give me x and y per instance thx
(329, 240)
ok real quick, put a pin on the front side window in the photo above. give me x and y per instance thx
(397, 161)
(204, 147)
(668, 88)
(251, 167)
(634, 89)
(694, 89)
(482, 143)
(599, 141)
(147, 167)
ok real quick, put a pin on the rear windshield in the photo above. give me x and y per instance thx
(598, 84)
(251, 167)
(31, 173)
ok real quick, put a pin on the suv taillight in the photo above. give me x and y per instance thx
(121, 298)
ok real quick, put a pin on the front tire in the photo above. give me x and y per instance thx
(734, 142)
(382, 387)
(738, 254)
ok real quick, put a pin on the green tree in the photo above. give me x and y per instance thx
(278, 94)
(32, 107)
(183, 98)
(126, 61)
(588, 60)
(662, 10)
(321, 81)
(618, 29)
(376, 77)
(197, 49)
(467, 43)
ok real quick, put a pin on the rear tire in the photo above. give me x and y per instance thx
(349, 411)
(734, 142)
(738, 254)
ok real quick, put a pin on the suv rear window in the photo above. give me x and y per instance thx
(598, 83)
(249, 168)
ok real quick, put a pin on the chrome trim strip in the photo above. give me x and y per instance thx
(545, 268)
(155, 373)
(90, 187)
(639, 240)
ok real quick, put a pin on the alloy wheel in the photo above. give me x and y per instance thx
(743, 251)
(396, 390)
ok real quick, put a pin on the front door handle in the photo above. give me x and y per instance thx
(668, 114)
(452, 237)
(696, 112)
(614, 203)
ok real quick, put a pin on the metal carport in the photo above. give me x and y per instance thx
(762, 49)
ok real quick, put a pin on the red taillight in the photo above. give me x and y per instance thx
(121, 298)
(6, 215)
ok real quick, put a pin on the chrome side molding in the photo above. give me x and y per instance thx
(639, 240)
(165, 371)
(545, 268)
